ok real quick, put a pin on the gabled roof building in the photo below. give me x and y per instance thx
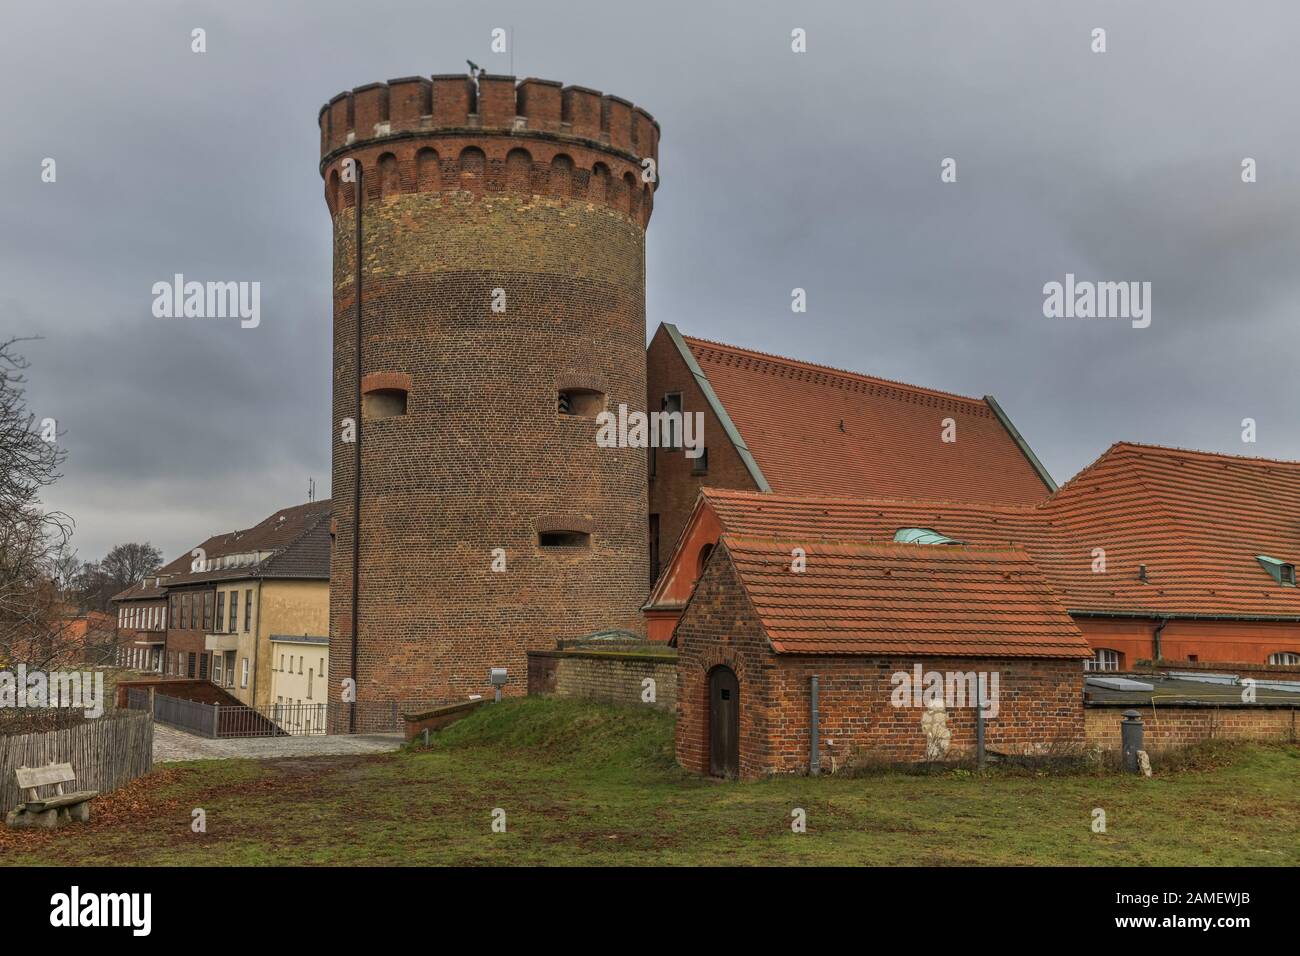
(1157, 553)
(884, 648)
(210, 613)
(774, 424)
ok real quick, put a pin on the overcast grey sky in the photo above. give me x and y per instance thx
(818, 170)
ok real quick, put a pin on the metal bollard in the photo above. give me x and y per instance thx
(1130, 734)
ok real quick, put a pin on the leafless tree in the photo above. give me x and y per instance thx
(32, 540)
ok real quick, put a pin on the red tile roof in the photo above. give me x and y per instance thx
(925, 600)
(1196, 520)
(789, 413)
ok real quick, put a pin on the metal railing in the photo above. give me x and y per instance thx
(277, 720)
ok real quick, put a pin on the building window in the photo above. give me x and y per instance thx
(221, 608)
(281, 668)
(207, 610)
(189, 670)
(243, 673)
(1103, 659)
(703, 559)
(310, 674)
(670, 435)
(582, 402)
(563, 539)
(216, 669)
(248, 608)
(383, 403)
(299, 663)
(187, 610)
(203, 667)
(173, 604)
(700, 466)
(1285, 657)
(234, 610)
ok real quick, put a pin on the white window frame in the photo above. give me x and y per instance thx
(1103, 659)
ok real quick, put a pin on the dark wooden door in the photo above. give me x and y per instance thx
(724, 723)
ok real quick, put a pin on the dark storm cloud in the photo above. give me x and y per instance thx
(779, 170)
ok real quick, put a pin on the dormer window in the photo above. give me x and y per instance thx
(922, 536)
(1283, 572)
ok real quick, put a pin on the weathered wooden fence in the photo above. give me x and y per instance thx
(105, 753)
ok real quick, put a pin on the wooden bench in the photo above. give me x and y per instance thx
(57, 808)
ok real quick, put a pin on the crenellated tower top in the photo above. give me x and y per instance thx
(492, 136)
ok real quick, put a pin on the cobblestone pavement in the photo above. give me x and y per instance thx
(170, 744)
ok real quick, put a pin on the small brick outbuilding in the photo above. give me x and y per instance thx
(886, 629)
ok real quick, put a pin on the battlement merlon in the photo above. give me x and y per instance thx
(453, 104)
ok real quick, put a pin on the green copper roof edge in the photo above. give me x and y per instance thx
(715, 403)
(1020, 442)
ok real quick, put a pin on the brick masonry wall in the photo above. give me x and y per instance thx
(482, 459)
(674, 487)
(414, 725)
(1178, 726)
(1218, 644)
(615, 677)
(1040, 709)
(1040, 701)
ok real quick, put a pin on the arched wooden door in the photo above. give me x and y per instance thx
(724, 723)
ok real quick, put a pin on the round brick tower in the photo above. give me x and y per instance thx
(502, 232)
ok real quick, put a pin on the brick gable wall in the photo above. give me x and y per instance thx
(674, 487)
(719, 628)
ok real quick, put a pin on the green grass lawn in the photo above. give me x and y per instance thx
(587, 784)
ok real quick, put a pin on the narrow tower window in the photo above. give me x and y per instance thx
(583, 402)
(563, 539)
(384, 395)
(383, 403)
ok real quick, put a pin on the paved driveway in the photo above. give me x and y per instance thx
(170, 744)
